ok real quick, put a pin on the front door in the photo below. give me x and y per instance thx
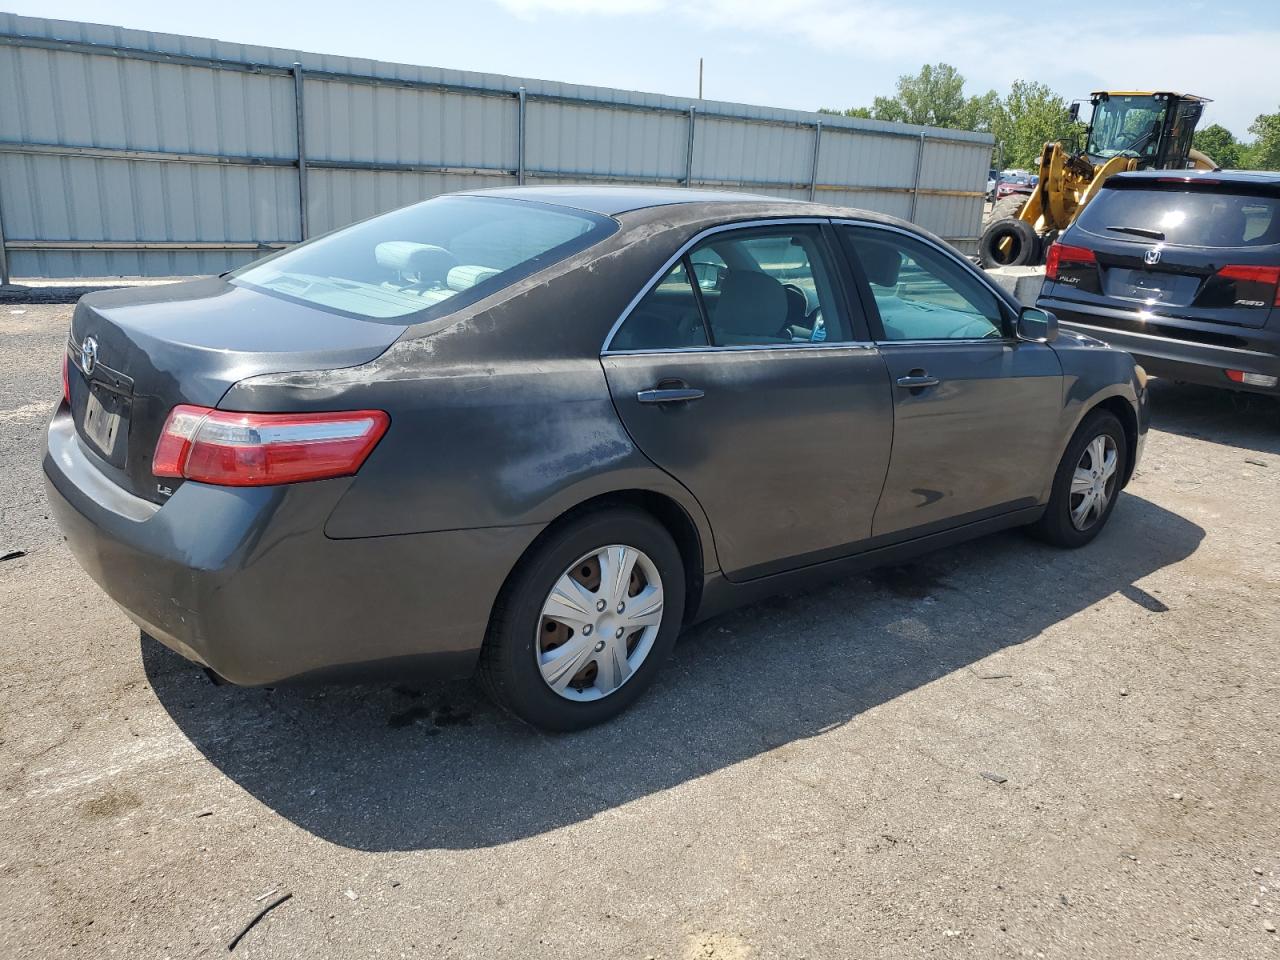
(745, 374)
(975, 408)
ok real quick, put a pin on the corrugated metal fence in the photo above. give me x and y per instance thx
(128, 153)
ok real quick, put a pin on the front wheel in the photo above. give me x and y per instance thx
(586, 621)
(1087, 483)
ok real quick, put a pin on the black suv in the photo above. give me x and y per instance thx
(1181, 269)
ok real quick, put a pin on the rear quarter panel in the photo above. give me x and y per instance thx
(500, 414)
(1092, 373)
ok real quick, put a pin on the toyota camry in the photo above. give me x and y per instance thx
(532, 433)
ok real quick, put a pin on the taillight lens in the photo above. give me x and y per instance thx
(1061, 253)
(66, 379)
(1252, 379)
(259, 449)
(1252, 274)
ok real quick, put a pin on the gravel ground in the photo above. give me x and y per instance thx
(1000, 751)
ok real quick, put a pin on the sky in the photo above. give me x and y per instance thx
(802, 54)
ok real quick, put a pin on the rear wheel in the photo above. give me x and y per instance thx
(586, 621)
(1087, 483)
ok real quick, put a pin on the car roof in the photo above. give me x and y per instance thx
(610, 201)
(1252, 177)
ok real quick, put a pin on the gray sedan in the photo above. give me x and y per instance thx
(532, 433)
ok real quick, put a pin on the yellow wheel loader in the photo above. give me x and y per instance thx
(1127, 131)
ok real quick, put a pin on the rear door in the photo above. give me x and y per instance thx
(976, 411)
(744, 372)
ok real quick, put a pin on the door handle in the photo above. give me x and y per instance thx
(669, 395)
(915, 382)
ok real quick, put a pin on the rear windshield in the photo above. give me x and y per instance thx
(1196, 218)
(430, 258)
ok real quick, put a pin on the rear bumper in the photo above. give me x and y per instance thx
(1183, 360)
(245, 582)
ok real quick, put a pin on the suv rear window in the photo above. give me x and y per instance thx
(428, 259)
(1194, 218)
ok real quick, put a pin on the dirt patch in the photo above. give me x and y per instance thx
(110, 805)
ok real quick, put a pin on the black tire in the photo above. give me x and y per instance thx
(1056, 526)
(509, 669)
(1007, 207)
(1025, 249)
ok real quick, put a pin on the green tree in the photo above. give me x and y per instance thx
(1029, 117)
(981, 113)
(862, 112)
(1264, 154)
(1220, 144)
(933, 97)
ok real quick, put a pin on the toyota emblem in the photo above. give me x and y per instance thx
(1152, 256)
(88, 354)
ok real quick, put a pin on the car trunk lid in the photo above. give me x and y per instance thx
(133, 355)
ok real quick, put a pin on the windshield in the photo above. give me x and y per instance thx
(1126, 126)
(439, 254)
(1198, 218)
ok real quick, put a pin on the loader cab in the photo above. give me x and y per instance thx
(1153, 128)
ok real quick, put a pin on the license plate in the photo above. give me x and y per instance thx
(1151, 286)
(1148, 290)
(106, 424)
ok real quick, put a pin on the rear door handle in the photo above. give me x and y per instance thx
(915, 382)
(669, 395)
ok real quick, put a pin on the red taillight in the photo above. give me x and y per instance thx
(1252, 274)
(1252, 379)
(259, 449)
(66, 379)
(1060, 253)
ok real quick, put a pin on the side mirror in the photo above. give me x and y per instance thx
(1036, 325)
(1075, 111)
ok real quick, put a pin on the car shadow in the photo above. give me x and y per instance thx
(1244, 420)
(395, 767)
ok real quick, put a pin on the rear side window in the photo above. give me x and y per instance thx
(427, 259)
(764, 286)
(1194, 218)
(668, 318)
(773, 286)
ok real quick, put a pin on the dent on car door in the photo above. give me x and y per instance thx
(976, 411)
(744, 373)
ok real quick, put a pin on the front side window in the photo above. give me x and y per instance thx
(427, 259)
(922, 294)
(769, 286)
(1126, 126)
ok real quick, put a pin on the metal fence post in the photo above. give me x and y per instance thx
(301, 130)
(915, 190)
(688, 156)
(4, 257)
(520, 134)
(813, 171)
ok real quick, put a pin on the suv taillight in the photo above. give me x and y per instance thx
(66, 379)
(1060, 253)
(259, 449)
(1253, 274)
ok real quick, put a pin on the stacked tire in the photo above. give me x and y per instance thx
(1024, 246)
